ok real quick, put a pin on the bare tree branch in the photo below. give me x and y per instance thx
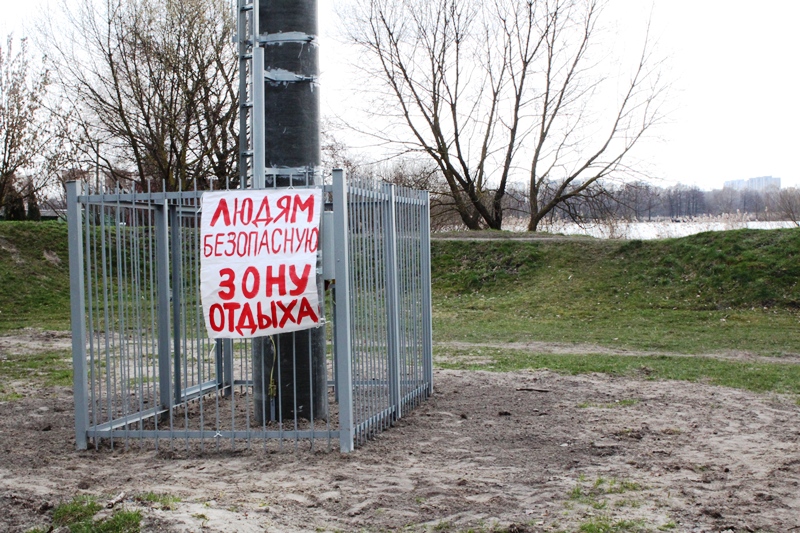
(505, 90)
(154, 82)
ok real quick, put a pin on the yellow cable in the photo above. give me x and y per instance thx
(273, 389)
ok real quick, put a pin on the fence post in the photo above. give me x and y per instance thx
(177, 284)
(224, 365)
(392, 300)
(427, 318)
(77, 314)
(344, 367)
(162, 277)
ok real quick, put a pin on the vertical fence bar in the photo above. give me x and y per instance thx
(91, 262)
(77, 314)
(344, 370)
(356, 286)
(392, 301)
(162, 276)
(227, 365)
(427, 318)
(177, 285)
(377, 282)
(371, 352)
(218, 364)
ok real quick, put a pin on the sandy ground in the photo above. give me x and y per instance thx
(525, 451)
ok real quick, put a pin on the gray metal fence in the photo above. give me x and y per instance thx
(146, 371)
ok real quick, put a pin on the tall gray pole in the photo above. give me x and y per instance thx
(288, 31)
(77, 313)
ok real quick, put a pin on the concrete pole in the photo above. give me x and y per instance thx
(288, 31)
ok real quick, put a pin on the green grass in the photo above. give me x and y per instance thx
(36, 288)
(717, 291)
(78, 516)
(119, 522)
(34, 258)
(599, 495)
(726, 269)
(9, 397)
(714, 291)
(604, 524)
(736, 269)
(49, 369)
(758, 377)
(164, 501)
(601, 486)
(52, 368)
(78, 510)
(702, 294)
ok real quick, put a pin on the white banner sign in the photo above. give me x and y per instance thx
(258, 272)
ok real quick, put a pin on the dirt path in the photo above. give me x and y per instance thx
(584, 349)
(523, 451)
(31, 340)
(522, 237)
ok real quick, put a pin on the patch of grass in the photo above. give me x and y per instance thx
(78, 516)
(616, 486)
(41, 282)
(590, 497)
(572, 319)
(52, 368)
(10, 397)
(165, 501)
(674, 295)
(604, 524)
(757, 377)
(78, 510)
(739, 268)
(628, 503)
(7, 394)
(735, 290)
(120, 522)
(466, 266)
(601, 487)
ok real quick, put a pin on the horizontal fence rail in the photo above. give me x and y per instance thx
(146, 370)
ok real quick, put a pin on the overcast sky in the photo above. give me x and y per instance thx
(735, 67)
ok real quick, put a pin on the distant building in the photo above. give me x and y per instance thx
(736, 185)
(761, 184)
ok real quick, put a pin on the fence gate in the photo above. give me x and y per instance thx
(145, 370)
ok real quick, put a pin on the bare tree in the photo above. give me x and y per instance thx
(722, 201)
(24, 130)
(787, 204)
(153, 83)
(505, 90)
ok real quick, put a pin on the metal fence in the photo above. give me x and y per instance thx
(146, 371)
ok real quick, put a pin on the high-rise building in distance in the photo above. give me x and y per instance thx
(762, 183)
